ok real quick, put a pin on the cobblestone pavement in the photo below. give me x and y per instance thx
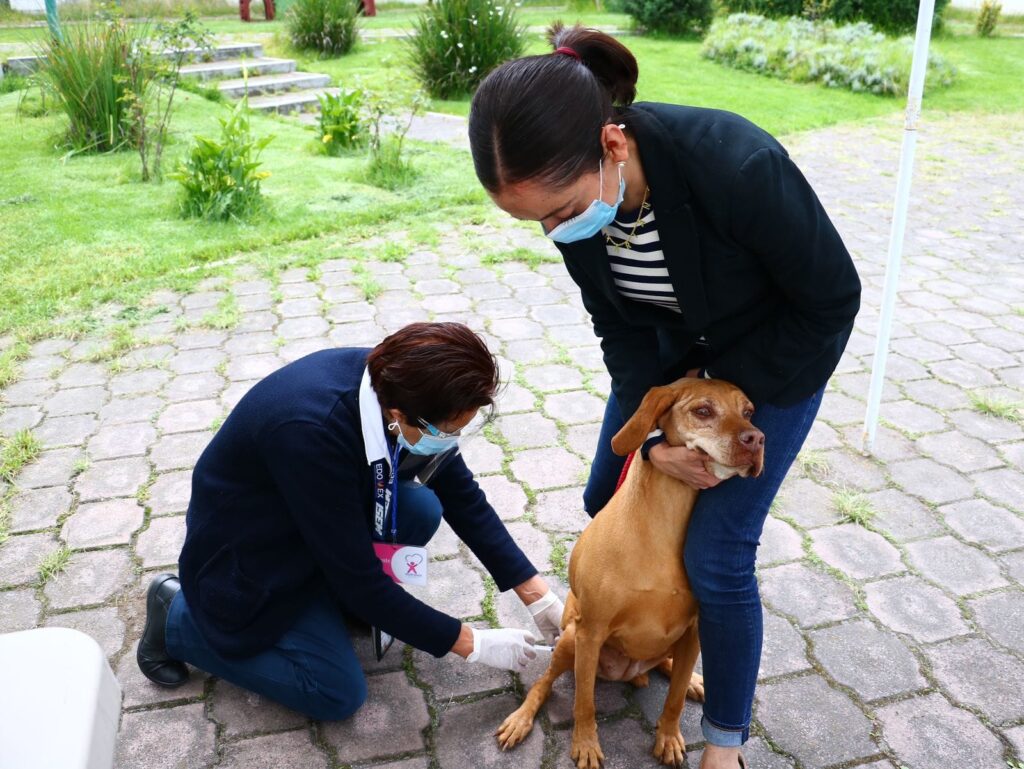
(893, 584)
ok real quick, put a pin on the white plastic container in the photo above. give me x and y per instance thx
(59, 701)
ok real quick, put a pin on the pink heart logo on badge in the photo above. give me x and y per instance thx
(412, 561)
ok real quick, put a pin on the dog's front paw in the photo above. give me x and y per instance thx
(669, 748)
(695, 691)
(514, 729)
(586, 751)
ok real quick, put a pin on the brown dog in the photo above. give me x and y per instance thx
(628, 588)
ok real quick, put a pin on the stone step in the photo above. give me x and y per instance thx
(235, 68)
(294, 101)
(265, 84)
(26, 65)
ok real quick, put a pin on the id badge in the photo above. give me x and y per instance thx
(405, 564)
(381, 643)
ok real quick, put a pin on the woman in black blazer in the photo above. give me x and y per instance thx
(700, 250)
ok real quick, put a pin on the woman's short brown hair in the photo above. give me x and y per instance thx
(433, 371)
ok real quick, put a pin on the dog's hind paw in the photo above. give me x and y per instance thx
(640, 681)
(695, 691)
(670, 749)
(513, 730)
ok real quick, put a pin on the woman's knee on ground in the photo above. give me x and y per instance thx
(336, 697)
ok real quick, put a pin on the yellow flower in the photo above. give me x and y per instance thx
(327, 138)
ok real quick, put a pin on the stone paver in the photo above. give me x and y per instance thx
(145, 736)
(940, 566)
(466, 737)
(394, 708)
(801, 715)
(872, 662)
(94, 524)
(909, 605)
(928, 731)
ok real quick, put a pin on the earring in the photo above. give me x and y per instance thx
(393, 425)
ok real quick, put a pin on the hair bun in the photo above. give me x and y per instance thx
(611, 62)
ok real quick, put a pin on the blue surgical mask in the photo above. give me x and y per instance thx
(597, 216)
(428, 444)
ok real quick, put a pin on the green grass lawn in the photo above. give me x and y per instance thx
(77, 231)
(82, 230)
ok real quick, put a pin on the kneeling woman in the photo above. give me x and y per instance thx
(319, 461)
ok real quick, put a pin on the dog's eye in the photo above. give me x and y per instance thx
(748, 413)
(702, 411)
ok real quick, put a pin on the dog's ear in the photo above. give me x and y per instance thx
(633, 434)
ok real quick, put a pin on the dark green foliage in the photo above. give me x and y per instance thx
(455, 43)
(671, 17)
(890, 16)
(327, 26)
(988, 18)
(12, 83)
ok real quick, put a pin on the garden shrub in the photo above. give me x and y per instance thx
(92, 75)
(341, 126)
(671, 17)
(988, 18)
(221, 179)
(386, 167)
(897, 16)
(891, 16)
(852, 56)
(327, 26)
(455, 43)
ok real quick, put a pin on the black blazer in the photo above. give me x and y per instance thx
(757, 266)
(282, 511)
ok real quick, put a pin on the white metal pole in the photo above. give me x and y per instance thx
(918, 70)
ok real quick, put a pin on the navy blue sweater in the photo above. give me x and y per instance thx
(281, 508)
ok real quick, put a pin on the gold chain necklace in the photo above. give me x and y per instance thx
(644, 206)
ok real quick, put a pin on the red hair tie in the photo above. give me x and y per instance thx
(568, 52)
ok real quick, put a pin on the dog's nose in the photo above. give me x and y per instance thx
(752, 439)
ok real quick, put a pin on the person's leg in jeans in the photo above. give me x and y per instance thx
(312, 668)
(721, 547)
(607, 465)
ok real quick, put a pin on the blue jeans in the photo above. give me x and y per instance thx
(312, 668)
(721, 546)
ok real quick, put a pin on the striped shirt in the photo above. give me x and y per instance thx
(639, 270)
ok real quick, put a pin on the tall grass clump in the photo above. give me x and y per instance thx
(92, 77)
(328, 26)
(220, 178)
(455, 43)
(852, 56)
(988, 18)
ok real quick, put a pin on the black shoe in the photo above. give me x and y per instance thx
(154, 661)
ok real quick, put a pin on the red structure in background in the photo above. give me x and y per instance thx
(268, 9)
(366, 7)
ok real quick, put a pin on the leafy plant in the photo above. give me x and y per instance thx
(327, 26)
(221, 179)
(852, 56)
(342, 126)
(387, 168)
(91, 74)
(455, 43)
(988, 18)
(12, 83)
(157, 67)
(671, 17)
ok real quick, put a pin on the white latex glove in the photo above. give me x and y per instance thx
(547, 614)
(507, 648)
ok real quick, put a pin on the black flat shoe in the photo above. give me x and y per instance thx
(154, 661)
